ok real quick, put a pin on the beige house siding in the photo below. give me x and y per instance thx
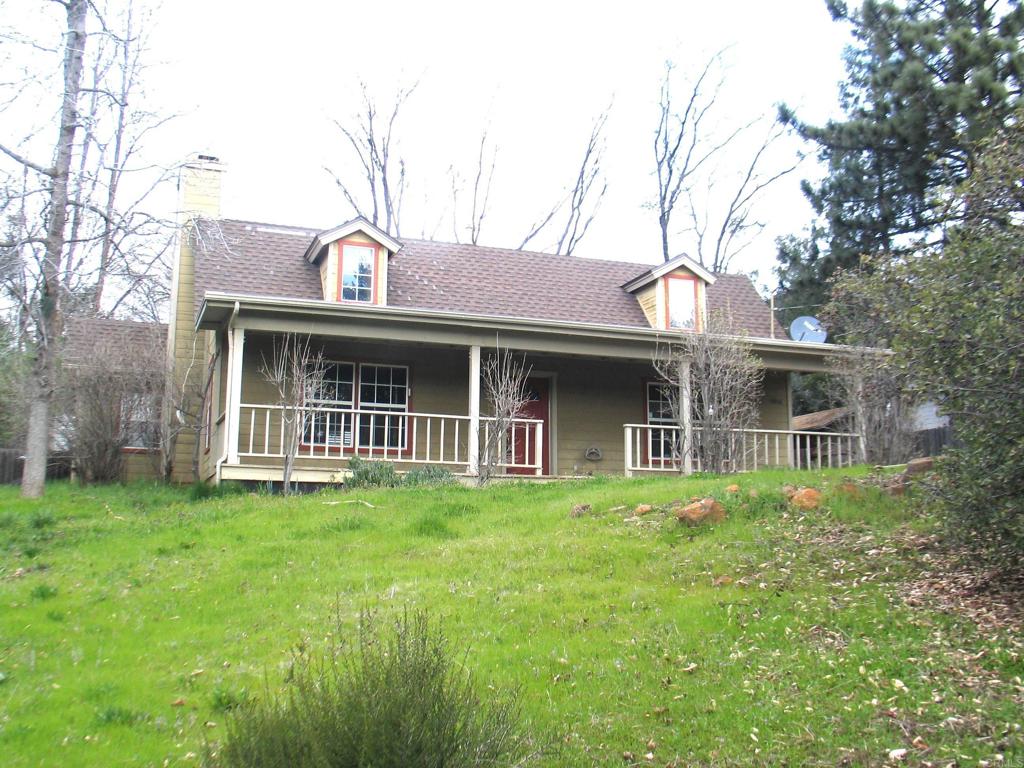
(775, 402)
(591, 400)
(648, 298)
(140, 466)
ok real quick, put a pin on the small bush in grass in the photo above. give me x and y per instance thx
(428, 475)
(397, 698)
(43, 592)
(372, 474)
(42, 519)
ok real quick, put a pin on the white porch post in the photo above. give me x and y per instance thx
(473, 467)
(687, 416)
(236, 346)
(628, 449)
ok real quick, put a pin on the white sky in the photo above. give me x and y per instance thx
(258, 83)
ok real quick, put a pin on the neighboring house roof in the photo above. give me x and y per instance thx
(87, 337)
(809, 422)
(243, 257)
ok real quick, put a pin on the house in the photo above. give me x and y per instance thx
(404, 324)
(118, 370)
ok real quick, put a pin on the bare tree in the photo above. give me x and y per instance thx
(373, 141)
(296, 372)
(581, 203)
(112, 401)
(881, 404)
(712, 381)
(481, 192)
(70, 238)
(503, 377)
(48, 318)
(686, 145)
(718, 242)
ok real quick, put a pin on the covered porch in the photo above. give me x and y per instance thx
(407, 390)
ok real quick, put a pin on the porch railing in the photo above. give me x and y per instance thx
(655, 448)
(338, 434)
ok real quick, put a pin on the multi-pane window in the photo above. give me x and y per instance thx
(140, 420)
(682, 303)
(385, 389)
(380, 394)
(333, 427)
(662, 443)
(357, 272)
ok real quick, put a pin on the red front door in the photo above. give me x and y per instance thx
(523, 441)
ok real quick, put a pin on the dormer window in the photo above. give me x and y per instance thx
(357, 272)
(681, 302)
(353, 262)
(673, 295)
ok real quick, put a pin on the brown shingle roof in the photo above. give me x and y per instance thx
(89, 338)
(266, 260)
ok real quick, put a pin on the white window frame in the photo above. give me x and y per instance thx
(341, 272)
(345, 436)
(401, 411)
(658, 421)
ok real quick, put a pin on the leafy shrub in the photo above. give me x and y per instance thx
(43, 592)
(42, 519)
(372, 474)
(396, 698)
(428, 475)
(226, 700)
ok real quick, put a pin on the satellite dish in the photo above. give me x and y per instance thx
(806, 328)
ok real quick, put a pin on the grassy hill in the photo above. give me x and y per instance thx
(132, 619)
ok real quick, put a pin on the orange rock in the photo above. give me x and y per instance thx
(919, 466)
(806, 498)
(850, 488)
(643, 509)
(704, 511)
(178, 703)
(722, 581)
(732, 488)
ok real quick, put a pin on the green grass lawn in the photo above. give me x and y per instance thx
(131, 619)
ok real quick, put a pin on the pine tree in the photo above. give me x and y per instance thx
(927, 80)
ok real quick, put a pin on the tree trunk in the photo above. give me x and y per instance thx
(33, 477)
(45, 364)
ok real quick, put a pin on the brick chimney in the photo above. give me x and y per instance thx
(199, 186)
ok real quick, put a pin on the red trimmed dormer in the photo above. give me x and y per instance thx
(353, 260)
(673, 295)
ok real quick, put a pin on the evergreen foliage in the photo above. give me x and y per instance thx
(926, 81)
(399, 698)
(954, 318)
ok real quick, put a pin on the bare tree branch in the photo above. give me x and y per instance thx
(583, 199)
(385, 177)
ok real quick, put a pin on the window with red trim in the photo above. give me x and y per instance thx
(681, 302)
(380, 394)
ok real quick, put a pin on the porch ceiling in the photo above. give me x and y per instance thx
(321, 318)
